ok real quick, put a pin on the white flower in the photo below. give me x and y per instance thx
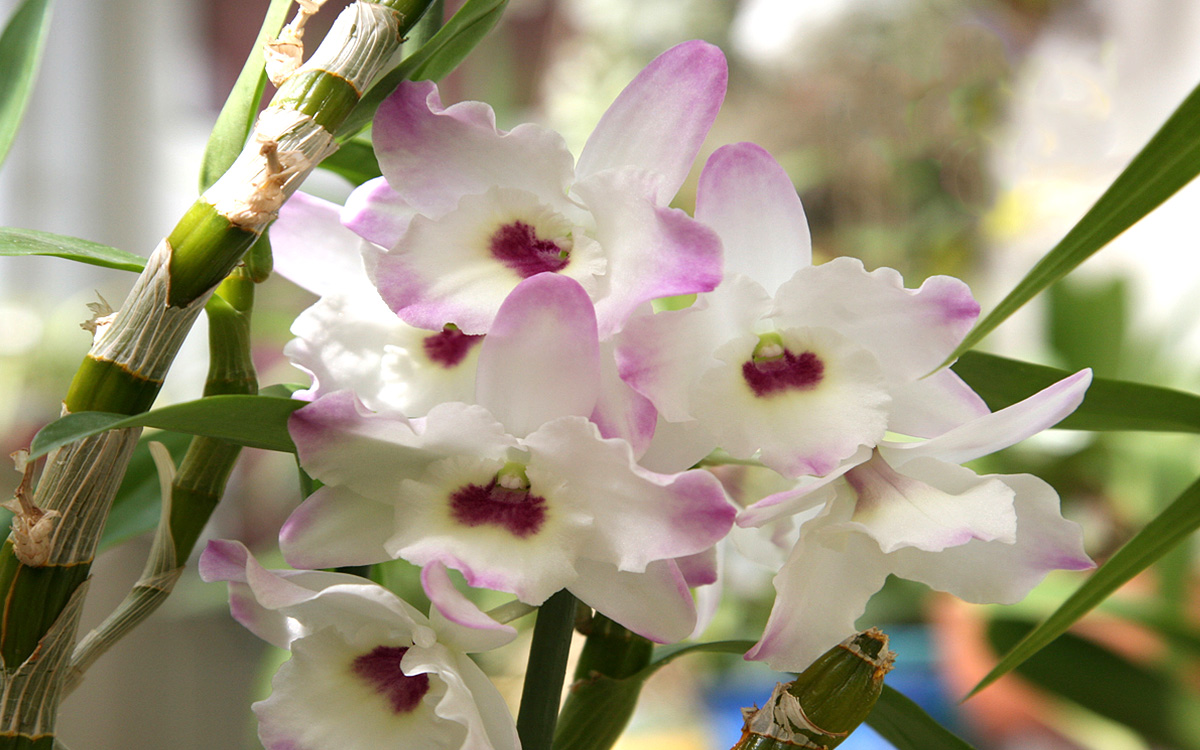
(368, 671)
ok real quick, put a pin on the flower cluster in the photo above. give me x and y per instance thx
(494, 393)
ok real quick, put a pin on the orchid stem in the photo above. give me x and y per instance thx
(546, 672)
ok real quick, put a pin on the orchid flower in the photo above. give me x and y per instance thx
(518, 491)
(490, 207)
(350, 339)
(366, 667)
(800, 364)
(910, 509)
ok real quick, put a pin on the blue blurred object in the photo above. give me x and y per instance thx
(915, 674)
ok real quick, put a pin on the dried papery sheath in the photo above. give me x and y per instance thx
(31, 526)
(284, 55)
(826, 702)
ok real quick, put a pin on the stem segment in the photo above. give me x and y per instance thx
(546, 672)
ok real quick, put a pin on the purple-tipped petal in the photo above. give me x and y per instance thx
(377, 213)
(661, 118)
(910, 331)
(433, 155)
(458, 621)
(643, 516)
(1000, 429)
(987, 572)
(541, 359)
(334, 527)
(652, 251)
(751, 203)
(311, 248)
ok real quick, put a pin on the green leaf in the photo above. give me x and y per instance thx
(1168, 162)
(1168, 529)
(21, 47)
(135, 508)
(254, 421)
(355, 160)
(434, 60)
(1109, 404)
(906, 725)
(237, 116)
(1142, 698)
(15, 241)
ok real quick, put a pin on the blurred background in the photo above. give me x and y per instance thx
(935, 136)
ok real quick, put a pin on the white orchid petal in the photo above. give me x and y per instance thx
(460, 624)
(377, 213)
(433, 155)
(910, 331)
(930, 506)
(639, 516)
(995, 572)
(992, 432)
(654, 603)
(336, 526)
(541, 359)
(661, 118)
(652, 251)
(751, 203)
(311, 248)
(818, 595)
(933, 405)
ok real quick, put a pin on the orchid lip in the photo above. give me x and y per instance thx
(380, 668)
(773, 368)
(519, 247)
(449, 346)
(505, 502)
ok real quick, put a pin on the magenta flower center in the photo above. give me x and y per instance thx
(381, 670)
(517, 246)
(519, 511)
(449, 347)
(787, 372)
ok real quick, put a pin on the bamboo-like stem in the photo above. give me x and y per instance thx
(191, 495)
(131, 353)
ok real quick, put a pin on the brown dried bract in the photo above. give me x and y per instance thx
(32, 527)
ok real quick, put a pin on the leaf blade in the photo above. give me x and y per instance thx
(241, 107)
(1109, 404)
(21, 46)
(1158, 537)
(252, 421)
(906, 725)
(16, 242)
(1170, 160)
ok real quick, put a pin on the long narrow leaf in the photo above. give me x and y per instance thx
(1168, 162)
(21, 47)
(237, 116)
(254, 421)
(435, 59)
(15, 241)
(135, 509)
(906, 725)
(1109, 405)
(1171, 527)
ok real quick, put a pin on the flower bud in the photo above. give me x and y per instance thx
(826, 702)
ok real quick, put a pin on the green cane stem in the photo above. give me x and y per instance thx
(131, 354)
(597, 709)
(200, 482)
(546, 671)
